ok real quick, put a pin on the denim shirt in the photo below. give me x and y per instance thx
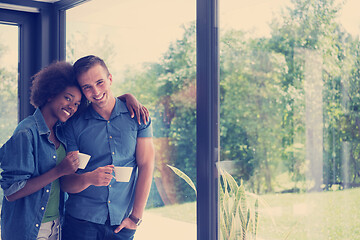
(110, 141)
(27, 154)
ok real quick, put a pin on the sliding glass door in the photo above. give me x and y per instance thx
(289, 87)
(150, 50)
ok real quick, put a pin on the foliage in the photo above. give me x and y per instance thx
(263, 109)
(168, 90)
(254, 74)
(236, 219)
(79, 43)
(8, 102)
(8, 99)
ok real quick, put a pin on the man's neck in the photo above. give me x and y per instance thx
(106, 111)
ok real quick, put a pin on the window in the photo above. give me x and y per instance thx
(150, 50)
(289, 91)
(8, 83)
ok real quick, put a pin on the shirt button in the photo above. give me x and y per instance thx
(47, 190)
(110, 137)
(36, 225)
(108, 121)
(42, 208)
(54, 156)
(113, 153)
(109, 185)
(109, 202)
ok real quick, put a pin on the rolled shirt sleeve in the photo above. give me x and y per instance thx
(145, 130)
(17, 162)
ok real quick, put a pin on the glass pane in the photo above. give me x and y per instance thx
(290, 117)
(8, 81)
(149, 48)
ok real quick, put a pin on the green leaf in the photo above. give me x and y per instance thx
(224, 234)
(256, 216)
(183, 176)
(242, 195)
(229, 180)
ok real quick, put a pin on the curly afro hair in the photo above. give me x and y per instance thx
(51, 81)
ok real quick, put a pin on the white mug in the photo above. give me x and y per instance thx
(83, 159)
(123, 174)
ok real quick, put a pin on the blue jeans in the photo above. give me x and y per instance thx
(76, 229)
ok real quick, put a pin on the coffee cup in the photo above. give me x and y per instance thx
(123, 174)
(83, 159)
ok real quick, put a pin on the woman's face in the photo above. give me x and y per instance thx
(65, 104)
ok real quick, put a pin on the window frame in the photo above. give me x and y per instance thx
(26, 25)
(207, 119)
(41, 40)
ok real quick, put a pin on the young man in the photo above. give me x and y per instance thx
(99, 207)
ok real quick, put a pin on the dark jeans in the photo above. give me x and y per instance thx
(76, 229)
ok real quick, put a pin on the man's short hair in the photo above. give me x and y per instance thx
(83, 64)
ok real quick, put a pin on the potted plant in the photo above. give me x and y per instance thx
(237, 220)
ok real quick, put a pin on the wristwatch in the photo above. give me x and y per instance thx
(136, 220)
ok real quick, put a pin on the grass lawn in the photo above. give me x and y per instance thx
(183, 212)
(327, 215)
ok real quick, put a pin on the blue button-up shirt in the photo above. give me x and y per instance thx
(27, 154)
(108, 142)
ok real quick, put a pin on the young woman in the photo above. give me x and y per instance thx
(34, 158)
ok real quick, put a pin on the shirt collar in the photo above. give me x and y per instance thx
(40, 122)
(120, 108)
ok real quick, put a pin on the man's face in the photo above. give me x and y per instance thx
(95, 84)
